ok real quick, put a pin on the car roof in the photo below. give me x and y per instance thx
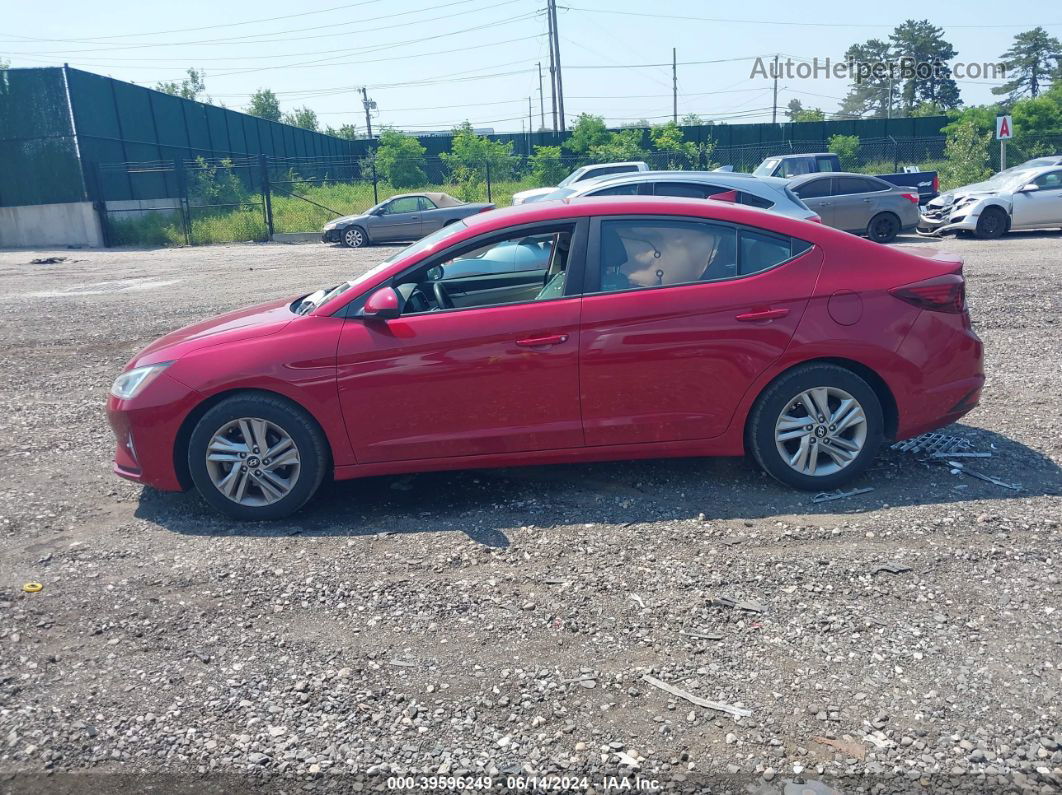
(441, 199)
(801, 154)
(737, 178)
(802, 178)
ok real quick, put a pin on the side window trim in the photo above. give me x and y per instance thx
(592, 260)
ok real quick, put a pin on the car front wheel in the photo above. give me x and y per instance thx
(353, 237)
(817, 427)
(992, 223)
(256, 457)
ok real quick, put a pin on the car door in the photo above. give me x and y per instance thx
(815, 193)
(679, 317)
(473, 380)
(1043, 206)
(399, 219)
(430, 217)
(855, 200)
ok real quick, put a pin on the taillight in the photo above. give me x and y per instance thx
(911, 197)
(941, 294)
(936, 183)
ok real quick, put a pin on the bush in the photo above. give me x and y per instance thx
(846, 147)
(547, 167)
(400, 160)
(469, 158)
(214, 182)
(966, 156)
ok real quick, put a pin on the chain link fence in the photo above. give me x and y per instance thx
(217, 200)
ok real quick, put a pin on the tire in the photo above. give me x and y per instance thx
(353, 237)
(992, 223)
(247, 415)
(883, 228)
(784, 397)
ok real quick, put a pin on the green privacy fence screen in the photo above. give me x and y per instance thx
(61, 127)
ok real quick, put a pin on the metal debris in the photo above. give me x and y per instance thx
(932, 444)
(840, 494)
(957, 467)
(719, 706)
(961, 455)
(701, 635)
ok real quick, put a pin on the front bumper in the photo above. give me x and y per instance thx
(331, 235)
(147, 429)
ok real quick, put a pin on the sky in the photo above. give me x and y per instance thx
(431, 65)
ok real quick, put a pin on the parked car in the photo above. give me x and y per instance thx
(859, 204)
(927, 183)
(658, 328)
(1030, 199)
(405, 217)
(766, 193)
(1036, 162)
(580, 174)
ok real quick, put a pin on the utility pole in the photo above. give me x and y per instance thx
(552, 65)
(369, 105)
(774, 103)
(541, 97)
(530, 125)
(560, 79)
(674, 86)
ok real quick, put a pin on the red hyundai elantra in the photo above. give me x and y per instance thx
(552, 332)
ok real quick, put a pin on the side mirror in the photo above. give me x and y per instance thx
(1030, 187)
(435, 273)
(384, 304)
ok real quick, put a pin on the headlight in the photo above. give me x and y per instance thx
(330, 225)
(129, 384)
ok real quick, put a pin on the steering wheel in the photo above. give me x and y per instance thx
(442, 298)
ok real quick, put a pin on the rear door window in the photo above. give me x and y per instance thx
(813, 189)
(689, 190)
(618, 190)
(846, 186)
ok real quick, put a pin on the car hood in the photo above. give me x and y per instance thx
(533, 193)
(976, 190)
(346, 219)
(253, 321)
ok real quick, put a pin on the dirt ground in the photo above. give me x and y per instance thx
(499, 623)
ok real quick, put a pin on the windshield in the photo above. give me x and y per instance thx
(1007, 177)
(321, 297)
(766, 168)
(568, 180)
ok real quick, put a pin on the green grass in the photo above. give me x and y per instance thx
(290, 214)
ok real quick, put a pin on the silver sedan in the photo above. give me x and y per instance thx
(859, 203)
(1025, 199)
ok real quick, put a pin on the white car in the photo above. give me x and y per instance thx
(579, 175)
(1023, 199)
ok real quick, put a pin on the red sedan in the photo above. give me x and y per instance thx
(610, 328)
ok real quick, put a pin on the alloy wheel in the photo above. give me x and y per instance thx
(353, 237)
(252, 461)
(821, 431)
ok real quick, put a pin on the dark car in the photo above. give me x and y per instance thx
(408, 216)
(926, 183)
(859, 204)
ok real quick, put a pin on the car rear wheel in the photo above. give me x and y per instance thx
(256, 457)
(353, 237)
(883, 228)
(816, 428)
(992, 223)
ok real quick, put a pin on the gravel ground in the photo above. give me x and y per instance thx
(497, 623)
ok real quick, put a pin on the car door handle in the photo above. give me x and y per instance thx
(542, 342)
(762, 314)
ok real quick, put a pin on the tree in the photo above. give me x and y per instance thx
(400, 159)
(4, 64)
(348, 131)
(670, 140)
(691, 120)
(619, 146)
(927, 109)
(921, 47)
(471, 156)
(869, 94)
(189, 88)
(966, 155)
(547, 165)
(1030, 59)
(587, 132)
(301, 117)
(264, 104)
(796, 111)
(846, 147)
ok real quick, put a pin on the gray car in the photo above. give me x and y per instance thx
(859, 203)
(408, 216)
(766, 193)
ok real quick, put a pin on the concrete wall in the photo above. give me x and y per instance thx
(74, 224)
